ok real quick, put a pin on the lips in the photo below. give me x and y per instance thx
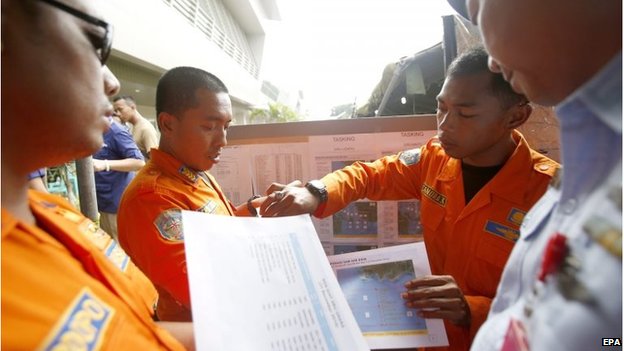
(215, 157)
(445, 142)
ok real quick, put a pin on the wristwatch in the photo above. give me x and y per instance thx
(252, 210)
(318, 189)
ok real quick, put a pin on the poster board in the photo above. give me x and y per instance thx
(258, 155)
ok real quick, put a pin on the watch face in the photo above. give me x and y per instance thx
(317, 188)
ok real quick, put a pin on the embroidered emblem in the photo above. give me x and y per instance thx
(503, 231)
(117, 255)
(516, 216)
(410, 157)
(169, 225)
(83, 324)
(433, 195)
(209, 207)
(188, 174)
(605, 235)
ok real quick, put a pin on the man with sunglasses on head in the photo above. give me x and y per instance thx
(59, 290)
(562, 286)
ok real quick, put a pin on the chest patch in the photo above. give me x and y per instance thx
(516, 216)
(169, 225)
(82, 325)
(410, 157)
(503, 231)
(433, 195)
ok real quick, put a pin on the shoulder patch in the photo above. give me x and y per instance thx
(188, 174)
(169, 225)
(82, 325)
(604, 234)
(410, 157)
(615, 195)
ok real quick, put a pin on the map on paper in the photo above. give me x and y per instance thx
(372, 294)
(372, 282)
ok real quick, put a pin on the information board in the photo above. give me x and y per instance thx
(258, 155)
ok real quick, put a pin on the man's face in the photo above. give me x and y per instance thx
(54, 103)
(123, 110)
(471, 120)
(199, 134)
(532, 43)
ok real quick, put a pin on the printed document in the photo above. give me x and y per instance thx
(264, 284)
(373, 281)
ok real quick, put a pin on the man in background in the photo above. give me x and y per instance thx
(114, 165)
(37, 180)
(143, 132)
(562, 286)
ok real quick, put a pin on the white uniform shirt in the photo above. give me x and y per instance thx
(589, 200)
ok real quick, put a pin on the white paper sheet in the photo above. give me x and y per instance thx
(373, 281)
(264, 284)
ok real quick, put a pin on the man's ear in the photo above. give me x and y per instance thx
(518, 114)
(166, 122)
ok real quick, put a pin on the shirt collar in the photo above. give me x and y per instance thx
(174, 167)
(602, 95)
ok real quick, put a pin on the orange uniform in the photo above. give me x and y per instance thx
(60, 291)
(150, 228)
(470, 242)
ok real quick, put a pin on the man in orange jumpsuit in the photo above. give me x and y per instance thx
(59, 288)
(194, 111)
(475, 181)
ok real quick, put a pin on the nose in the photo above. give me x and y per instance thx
(111, 83)
(493, 65)
(444, 121)
(221, 140)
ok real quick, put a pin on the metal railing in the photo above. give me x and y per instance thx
(208, 25)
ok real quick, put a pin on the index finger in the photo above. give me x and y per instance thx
(274, 187)
(427, 280)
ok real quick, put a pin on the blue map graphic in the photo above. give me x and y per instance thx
(374, 295)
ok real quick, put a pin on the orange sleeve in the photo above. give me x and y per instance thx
(479, 309)
(150, 231)
(395, 177)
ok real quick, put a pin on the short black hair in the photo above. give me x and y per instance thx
(475, 60)
(176, 89)
(127, 98)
